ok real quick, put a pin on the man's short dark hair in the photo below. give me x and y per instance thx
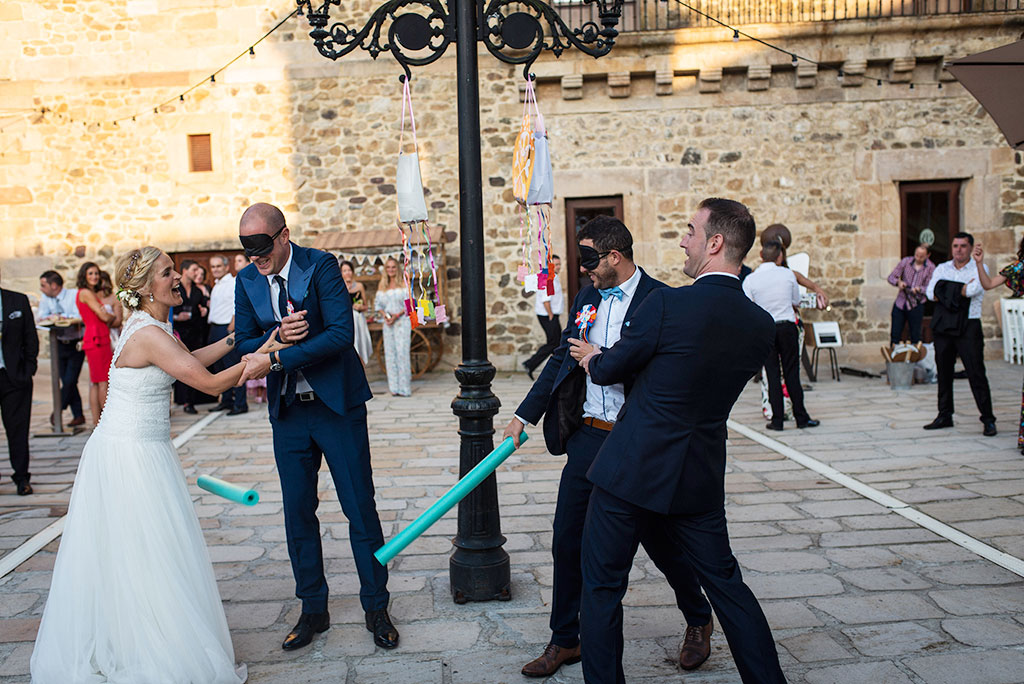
(731, 220)
(607, 233)
(188, 263)
(964, 236)
(53, 278)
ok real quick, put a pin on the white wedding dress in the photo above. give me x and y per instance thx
(133, 599)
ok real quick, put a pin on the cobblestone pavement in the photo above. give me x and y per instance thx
(854, 592)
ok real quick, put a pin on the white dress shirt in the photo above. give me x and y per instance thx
(604, 402)
(301, 385)
(968, 275)
(62, 305)
(222, 301)
(774, 289)
(557, 301)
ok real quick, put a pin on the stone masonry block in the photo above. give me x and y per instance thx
(902, 69)
(759, 76)
(853, 72)
(663, 81)
(710, 80)
(806, 75)
(572, 87)
(618, 84)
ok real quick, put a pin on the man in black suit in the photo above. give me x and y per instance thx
(19, 350)
(691, 350)
(578, 416)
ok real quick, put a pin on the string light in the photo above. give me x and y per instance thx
(735, 35)
(252, 53)
(213, 79)
(794, 60)
(839, 76)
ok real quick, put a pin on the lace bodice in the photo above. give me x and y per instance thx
(138, 399)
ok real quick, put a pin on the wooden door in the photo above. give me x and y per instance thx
(578, 211)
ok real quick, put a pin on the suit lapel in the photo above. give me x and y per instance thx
(643, 288)
(258, 290)
(298, 279)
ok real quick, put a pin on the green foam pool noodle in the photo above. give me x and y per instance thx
(249, 497)
(453, 496)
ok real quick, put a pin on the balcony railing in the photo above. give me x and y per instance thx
(654, 15)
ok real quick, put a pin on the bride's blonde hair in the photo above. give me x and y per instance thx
(134, 272)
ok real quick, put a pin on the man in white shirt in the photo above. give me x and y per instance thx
(222, 323)
(549, 309)
(578, 415)
(968, 344)
(774, 288)
(58, 302)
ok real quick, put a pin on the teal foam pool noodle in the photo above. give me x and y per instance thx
(249, 497)
(453, 496)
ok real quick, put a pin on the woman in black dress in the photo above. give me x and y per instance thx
(189, 322)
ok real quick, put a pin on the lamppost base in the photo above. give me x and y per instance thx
(480, 575)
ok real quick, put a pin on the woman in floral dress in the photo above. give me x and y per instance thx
(1013, 277)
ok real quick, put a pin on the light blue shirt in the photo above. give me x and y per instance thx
(62, 305)
(604, 402)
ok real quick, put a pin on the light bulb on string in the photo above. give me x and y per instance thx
(878, 82)
(940, 86)
(839, 76)
(181, 98)
(252, 53)
(735, 35)
(794, 60)
(911, 86)
(213, 79)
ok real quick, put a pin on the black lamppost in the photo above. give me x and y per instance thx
(516, 32)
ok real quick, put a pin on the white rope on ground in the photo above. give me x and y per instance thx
(21, 554)
(976, 546)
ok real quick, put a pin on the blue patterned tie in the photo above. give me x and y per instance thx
(612, 292)
(282, 308)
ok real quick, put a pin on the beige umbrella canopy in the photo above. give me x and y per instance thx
(996, 79)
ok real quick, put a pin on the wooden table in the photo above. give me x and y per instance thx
(53, 326)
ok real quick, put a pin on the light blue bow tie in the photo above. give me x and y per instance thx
(612, 292)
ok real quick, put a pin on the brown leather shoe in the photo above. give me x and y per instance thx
(75, 422)
(553, 658)
(696, 646)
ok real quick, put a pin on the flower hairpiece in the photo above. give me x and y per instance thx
(131, 265)
(129, 298)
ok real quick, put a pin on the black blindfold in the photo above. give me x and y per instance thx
(259, 244)
(590, 258)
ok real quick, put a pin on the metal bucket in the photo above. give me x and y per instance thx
(901, 374)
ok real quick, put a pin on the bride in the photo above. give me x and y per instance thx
(133, 599)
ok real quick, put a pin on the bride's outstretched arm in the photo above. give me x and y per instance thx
(214, 352)
(152, 346)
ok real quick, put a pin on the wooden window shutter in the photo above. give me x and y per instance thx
(200, 157)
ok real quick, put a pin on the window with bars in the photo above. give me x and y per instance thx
(200, 156)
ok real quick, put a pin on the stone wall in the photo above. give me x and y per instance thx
(667, 119)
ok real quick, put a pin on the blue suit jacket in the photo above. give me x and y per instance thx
(692, 349)
(561, 388)
(326, 356)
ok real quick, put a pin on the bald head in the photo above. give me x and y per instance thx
(261, 218)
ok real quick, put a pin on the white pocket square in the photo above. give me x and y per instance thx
(14, 314)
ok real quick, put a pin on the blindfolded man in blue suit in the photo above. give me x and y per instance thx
(317, 395)
(691, 350)
(578, 417)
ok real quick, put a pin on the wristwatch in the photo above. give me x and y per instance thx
(275, 363)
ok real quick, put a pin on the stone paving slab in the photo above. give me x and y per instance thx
(852, 592)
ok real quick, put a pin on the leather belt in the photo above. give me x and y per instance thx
(598, 423)
(305, 396)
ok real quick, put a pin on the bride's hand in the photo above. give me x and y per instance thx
(272, 343)
(256, 366)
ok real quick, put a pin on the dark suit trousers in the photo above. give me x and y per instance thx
(613, 530)
(970, 347)
(304, 433)
(16, 412)
(785, 352)
(233, 396)
(69, 367)
(570, 514)
(553, 334)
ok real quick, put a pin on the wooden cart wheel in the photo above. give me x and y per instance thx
(421, 354)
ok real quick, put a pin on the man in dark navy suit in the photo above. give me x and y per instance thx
(578, 416)
(19, 351)
(317, 395)
(691, 350)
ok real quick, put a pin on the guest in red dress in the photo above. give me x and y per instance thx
(96, 337)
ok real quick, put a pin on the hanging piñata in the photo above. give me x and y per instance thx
(533, 189)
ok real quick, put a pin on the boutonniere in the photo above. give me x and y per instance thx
(626, 324)
(584, 319)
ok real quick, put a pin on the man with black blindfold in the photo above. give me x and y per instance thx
(317, 395)
(578, 416)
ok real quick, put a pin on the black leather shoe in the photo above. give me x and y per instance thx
(990, 430)
(308, 625)
(24, 489)
(808, 423)
(773, 426)
(238, 412)
(939, 423)
(189, 408)
(219, 407)
(384, 633)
